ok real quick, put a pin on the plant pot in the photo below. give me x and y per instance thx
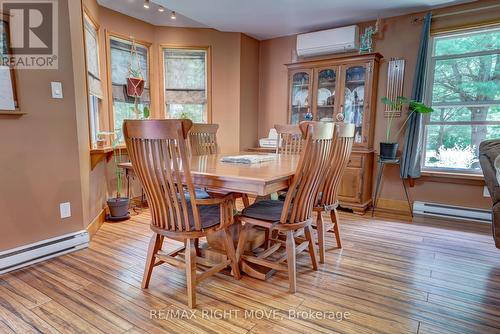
(101, 143)
(135, 86)
(388, 151)
(118, 207)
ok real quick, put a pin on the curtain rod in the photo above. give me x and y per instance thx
(465, 11)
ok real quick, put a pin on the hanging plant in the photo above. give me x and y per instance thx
(135, 83)
(135, 79)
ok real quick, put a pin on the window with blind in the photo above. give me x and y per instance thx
(93, 82)
(124, 105)
(464, 91)
(185, 73)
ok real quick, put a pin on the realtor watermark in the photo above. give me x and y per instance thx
(32, 38)
(259, 314)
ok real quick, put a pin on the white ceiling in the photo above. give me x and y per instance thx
(264, 19)
(135, 8)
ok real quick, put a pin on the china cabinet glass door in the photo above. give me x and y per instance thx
(326, 81)
(300, 104)
(354, 98)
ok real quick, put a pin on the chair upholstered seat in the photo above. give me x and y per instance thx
(269, 210)
(201, 194)
(209, 215)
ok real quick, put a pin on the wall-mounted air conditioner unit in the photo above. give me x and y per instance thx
(328, 41)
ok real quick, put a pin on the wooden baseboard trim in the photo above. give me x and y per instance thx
(393, 207)
(96, 224)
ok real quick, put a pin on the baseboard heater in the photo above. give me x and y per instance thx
(22, 256)
(451, 212)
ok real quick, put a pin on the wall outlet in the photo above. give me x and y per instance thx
(65, 209)
(57, 92)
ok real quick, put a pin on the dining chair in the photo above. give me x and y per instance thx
(158, 151)
(203, 139)
(290, 140)
(292, 218)
(327, 200)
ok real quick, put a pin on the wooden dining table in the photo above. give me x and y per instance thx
(260, 179)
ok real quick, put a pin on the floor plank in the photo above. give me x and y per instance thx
(425, 276)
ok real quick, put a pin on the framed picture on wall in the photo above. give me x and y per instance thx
(8, 94)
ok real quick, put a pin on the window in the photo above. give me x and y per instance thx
(185, 73)
(93, 81)
(464, 90)
(123, 105)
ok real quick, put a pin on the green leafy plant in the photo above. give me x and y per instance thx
(117, 158)
(146, 112)
(398, 104)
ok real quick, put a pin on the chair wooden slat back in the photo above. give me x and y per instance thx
(313, 163)
(203, 139)
(342, 148)
(158, 152)
(290, 139)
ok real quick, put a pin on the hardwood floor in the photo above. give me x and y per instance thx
(390, 277)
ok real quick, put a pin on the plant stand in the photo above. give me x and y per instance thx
(380, 174)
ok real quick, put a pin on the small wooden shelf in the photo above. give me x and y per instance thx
(11, 113)
(99, 154)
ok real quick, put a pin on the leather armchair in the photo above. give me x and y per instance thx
(489, 151)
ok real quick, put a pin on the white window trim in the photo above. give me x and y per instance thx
(428, 85)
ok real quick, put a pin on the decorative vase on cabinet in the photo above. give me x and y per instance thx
(346, 86)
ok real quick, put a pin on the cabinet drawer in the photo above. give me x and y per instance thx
(355, 161)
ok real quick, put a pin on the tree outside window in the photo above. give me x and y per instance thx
(185, 73)
(464, 91)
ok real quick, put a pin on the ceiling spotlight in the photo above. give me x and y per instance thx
(146, 4)
(173, 16)
(161, 9)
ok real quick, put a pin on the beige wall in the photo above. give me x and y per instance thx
(225, 65)
(399, 40)
(249, 92)
(39, 154)
(234, 84)
(45, 154)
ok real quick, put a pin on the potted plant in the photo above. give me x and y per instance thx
(118, 205)
(101, 140)
(389, 148)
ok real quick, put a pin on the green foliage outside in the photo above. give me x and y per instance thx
(465, 88)
(193, 112)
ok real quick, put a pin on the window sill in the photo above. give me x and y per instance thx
(11, 113)
(457, 178)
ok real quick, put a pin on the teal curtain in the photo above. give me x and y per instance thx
(412, 151)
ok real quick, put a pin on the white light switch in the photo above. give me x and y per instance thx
(65, 209)
(57, 92)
